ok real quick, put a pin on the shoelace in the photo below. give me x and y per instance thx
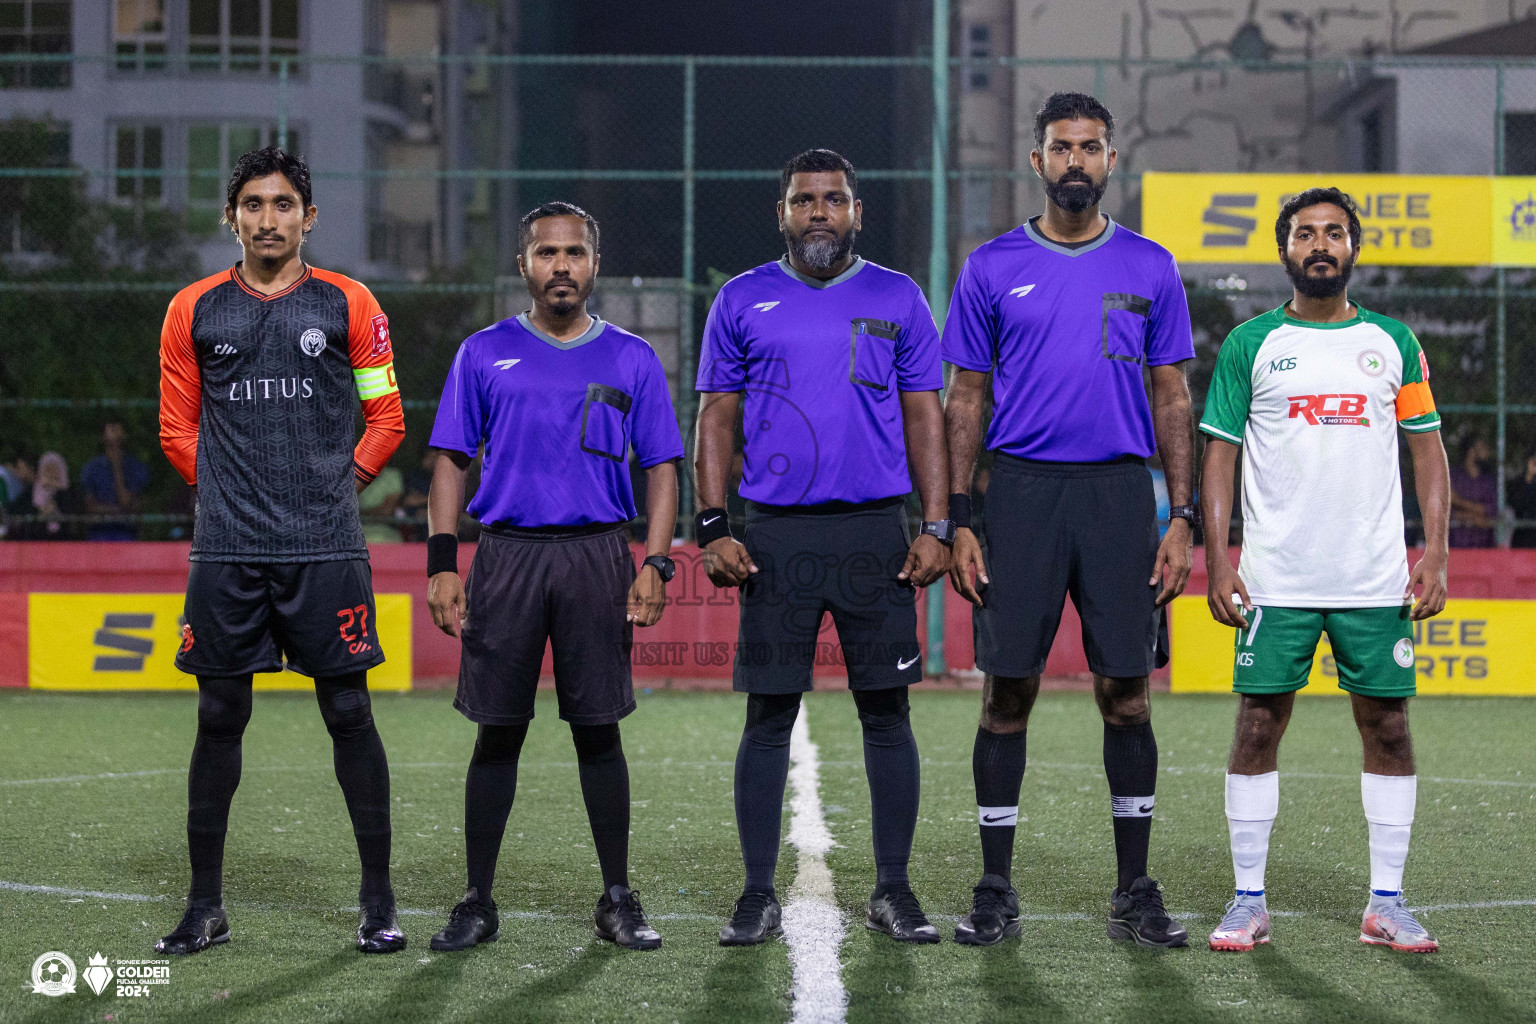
(908, 911)
(1397, 913)
(464, 909)
(1237, 915)
(990, 901)
(749, 909)
(1150, 902)
(630, 910)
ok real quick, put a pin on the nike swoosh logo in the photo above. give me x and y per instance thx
(1144, 809)
(908, 663)
(989, 819)
(709, 520)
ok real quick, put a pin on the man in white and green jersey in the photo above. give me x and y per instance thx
(1314, 393)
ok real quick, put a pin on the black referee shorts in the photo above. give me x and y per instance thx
(246, 617)
(811, 559)
(566, 586)
(1059, 528)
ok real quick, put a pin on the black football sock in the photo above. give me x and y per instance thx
(223, 709)
(605, 790)
(762, 769)
(997, 767)
(489, 787)
(363, 772)
(895, 780)
(1130, 762)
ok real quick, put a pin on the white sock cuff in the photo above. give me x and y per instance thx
(1253, 797)
(998, 816)
(1389, 799)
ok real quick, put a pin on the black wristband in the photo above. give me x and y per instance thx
(442, 554)
(960, 511)
(710, 525)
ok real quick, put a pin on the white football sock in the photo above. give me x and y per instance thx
(1389, 801)
(1252, 803)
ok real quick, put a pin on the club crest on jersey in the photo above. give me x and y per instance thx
(1372, 363)
(312, 341)
(380, 334)
(1402, 652)
(1329, 410)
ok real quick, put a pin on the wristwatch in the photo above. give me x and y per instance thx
(1188, 513)
(663, 565)
(942, 529)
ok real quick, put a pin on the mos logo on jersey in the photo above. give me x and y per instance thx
(1276, 365)
(312, 341)
(1329, 410)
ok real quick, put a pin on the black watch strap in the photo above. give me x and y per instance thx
(942, 529)
(663, 565)
(1188, 513)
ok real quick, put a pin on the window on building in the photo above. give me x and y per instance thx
(212, 150)
(1520, 143)
(241, 35)
(138, 35)
(139, 158)
(40, 27)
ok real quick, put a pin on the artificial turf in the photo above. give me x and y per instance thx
(291, 870)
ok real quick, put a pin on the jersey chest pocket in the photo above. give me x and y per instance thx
(1125, 326)
(872, 352)
(602, 421)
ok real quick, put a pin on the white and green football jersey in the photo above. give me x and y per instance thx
(1316, 408)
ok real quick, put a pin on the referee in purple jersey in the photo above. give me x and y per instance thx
(557, 398)
(832, 364)
(1067, 313)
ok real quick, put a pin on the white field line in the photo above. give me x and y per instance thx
(541, 915)
(813, 926)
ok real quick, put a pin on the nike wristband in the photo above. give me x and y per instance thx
(442, 554)
(960, 511)
(710, 525)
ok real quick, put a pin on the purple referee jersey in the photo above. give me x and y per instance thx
(557, 419)
(822, 364)
(1068, 331)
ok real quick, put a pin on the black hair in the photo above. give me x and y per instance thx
(556, 208)
(1072, 106)
(814, 160)
(259, 163)
(1315, 197)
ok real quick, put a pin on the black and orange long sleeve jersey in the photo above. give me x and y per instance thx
(256, 411)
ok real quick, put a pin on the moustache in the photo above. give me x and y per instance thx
(1320, 258)
(266, 238)
(1079, 176)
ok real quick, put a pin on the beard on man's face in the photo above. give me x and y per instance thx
(824, 251)
(574, 296)
(1075, 191)
(1313, 287)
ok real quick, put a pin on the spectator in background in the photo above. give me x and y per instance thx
(1521, 495)
(16, 477)
(113, 482)
(1474, 497)
(49, 499)
(378, 503)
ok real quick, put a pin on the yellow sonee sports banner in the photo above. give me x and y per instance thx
(1472, 648)
(1407, 219)
(129, 642)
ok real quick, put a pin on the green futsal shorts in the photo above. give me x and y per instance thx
(1372, 647)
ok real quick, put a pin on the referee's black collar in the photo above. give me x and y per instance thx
(586, 336)
(1103, 237)
(818, 282)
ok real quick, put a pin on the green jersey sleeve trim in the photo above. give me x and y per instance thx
(1231, 391)
(1421, 424)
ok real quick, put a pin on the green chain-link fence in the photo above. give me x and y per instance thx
(678, 157)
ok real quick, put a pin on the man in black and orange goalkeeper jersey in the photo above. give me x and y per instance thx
(258, 365)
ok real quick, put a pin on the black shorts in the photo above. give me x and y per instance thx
(837, 558)
(567, 587)
(247, 617)
(1059, 528)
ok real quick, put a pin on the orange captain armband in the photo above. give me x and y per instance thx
(1414, 399)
